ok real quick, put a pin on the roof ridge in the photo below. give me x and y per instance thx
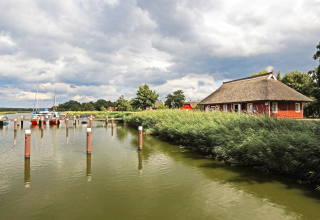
(248, 78)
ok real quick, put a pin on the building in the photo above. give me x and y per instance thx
(262, 94)
(156, 104)
(189, 105)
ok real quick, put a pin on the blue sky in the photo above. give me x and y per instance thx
(95, 49)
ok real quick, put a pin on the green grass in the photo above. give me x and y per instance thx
(286, 145)
(7, 113)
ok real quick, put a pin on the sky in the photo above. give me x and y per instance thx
(102, 49)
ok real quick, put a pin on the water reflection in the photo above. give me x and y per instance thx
(41, 133)
(88, 167)
(140, 159)
(27, 172)
(15, 137)
(67, 132)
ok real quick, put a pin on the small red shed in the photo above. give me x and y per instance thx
(262, 94)
(190, 105)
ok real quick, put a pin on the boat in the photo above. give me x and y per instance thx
(84, 121)
(4, 117)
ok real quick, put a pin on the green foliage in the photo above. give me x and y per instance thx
(87, 106)
(103, 109)
(162, 106)
(177, 98)
(284, 144)
(199, 108)
(70, 106)
(264, 71)
(315, 75)
(278, 77)
(145, 97)
(102, 103)
(301, 82)
(123, 105)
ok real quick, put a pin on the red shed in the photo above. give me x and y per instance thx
(262, 94)
(190, 105)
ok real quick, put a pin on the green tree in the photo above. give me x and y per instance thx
(145, 97)
(103, 109)
(70, 106)
(123, 104)
(264, 71)
(315, 75)
(162, 106)
(88, 106)
(301, 82)
(177, 98)
(278, 77)
(100, 103)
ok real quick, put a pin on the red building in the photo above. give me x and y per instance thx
(190, 105)
(262, 94)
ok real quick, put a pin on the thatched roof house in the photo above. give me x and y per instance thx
(259, 92)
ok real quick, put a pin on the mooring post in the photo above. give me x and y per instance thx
(15, 124)
(90, 122)
(67, 123)
(27, 143)
(112, 122)
(42, 124)
(106, 119)
(22, 121)
(140, 137)
(18, 121)
(88, 140)
(38, 121)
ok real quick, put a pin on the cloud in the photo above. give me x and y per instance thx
(104, 49)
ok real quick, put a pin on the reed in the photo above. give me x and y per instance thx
(98, 114)
(286, 145)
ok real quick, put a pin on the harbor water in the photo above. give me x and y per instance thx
(163, 181)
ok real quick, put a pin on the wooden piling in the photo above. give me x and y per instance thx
(106, 119)
(90, 122)
(27, 143)
(112, 122)
(88, 140)
(140, 137)
(42, 124)
(15, 124)
(67, 123)
(89, 167)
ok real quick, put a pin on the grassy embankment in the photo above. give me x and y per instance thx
(285, 145)
(99, 114)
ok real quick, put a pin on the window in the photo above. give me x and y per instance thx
(297, 107)
(225, 108)
(275, 107)
(249, 107)
(208, 108)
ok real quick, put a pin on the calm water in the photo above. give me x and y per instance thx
(163, 181)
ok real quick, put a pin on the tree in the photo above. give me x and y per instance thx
(278, 77)
(88, 106)
(100, 103)
(103, 109)
(301, 82)
(70, 106)
(264, 71)
(315, 75)
(145, 97)
(162, 106)
(123, 105)
(177, 99)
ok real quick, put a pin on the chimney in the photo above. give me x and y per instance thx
(272, 73)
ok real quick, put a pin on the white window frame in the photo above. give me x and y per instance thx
(275, 111)
(295, 107)
(248, 108)
(225, 108)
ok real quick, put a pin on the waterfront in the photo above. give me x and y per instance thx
(163, 181)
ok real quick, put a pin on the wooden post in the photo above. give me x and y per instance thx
(15, 124)
(67, 123)
(140, 137)
(107, 120)
(112, 122)
(88, 140)
(27, 143)
(42, 124)
(90, 122)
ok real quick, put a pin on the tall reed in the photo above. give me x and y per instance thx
(287, 145)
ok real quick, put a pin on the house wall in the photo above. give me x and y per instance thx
(288, 109)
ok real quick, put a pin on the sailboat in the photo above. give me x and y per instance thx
(54, 113)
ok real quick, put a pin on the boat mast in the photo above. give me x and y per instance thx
(55, 101)
(36, 100)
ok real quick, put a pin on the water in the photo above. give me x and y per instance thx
(118, 182)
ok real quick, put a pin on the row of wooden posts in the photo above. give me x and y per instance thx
(89, 137)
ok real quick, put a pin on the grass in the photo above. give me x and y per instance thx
(7, 113)
(285, 145)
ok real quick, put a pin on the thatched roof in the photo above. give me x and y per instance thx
(192, 103)
(258, 88)
(157, 103)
